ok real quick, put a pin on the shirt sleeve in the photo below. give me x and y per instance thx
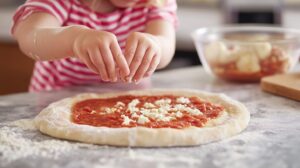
(57, 8)
(166, 12)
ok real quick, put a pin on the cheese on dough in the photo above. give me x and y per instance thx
(183, 100)
(143, 119)
(126, 120)
(132, 104)
(162, 102)
(149, 105)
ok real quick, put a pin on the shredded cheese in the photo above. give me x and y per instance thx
(178, 114)
(126, 120)
(183, 100)
(142, 119)
(132, 106)
(119, 104)
(162, 102)
(149, 105)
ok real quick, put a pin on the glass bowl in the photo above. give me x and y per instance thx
(247, 53)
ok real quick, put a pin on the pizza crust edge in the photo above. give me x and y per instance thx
(54, 120)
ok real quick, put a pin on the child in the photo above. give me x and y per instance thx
(76, 41)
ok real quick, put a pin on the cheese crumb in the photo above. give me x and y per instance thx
(135, 115)
(162, 110)
(166, 118)
(126, 120)
(183, 100)
(145, 112)
(178, 114)
(110, 110)
(179, 107)
(142, 119)
(132, 104)
(120, 104)
(155, 115)
(165, 107)
(149, 105)
(162, 102)
(193, 111)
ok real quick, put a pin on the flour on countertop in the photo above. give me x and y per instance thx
(26, 124)
(20, 139)
(265, 138)
(15, 145)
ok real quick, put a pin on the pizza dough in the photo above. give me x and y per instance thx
(55, 120)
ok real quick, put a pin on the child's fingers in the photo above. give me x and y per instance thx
(109, 62)
(120, 59)
(153, 65)
(90, 65)
(144, 66)
(137, 59)
(130, 48)
(85, 58)
(96, 57)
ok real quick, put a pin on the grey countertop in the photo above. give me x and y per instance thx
(272, 138)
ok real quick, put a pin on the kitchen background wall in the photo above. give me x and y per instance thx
(16, 68)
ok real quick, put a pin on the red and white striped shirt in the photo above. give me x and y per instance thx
(49, 75)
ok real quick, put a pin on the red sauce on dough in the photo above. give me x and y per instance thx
(92, 112)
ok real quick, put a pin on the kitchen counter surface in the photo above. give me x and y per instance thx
(271, 140)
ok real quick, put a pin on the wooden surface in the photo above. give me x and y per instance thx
(287, 85)
(15, 69)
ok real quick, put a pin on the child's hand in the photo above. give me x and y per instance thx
(100, 51)
(143, 55)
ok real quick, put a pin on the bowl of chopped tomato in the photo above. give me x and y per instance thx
(247, 53)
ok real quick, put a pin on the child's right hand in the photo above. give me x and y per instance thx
(100, 51)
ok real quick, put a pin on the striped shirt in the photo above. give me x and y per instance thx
(49, 75)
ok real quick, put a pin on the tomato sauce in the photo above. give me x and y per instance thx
(92, 112)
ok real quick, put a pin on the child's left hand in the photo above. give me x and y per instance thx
(143, 54)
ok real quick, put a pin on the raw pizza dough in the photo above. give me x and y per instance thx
(55, 120)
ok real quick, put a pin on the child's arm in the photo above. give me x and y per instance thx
(41, 37)
(146, 52)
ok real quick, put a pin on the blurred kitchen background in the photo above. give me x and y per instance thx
(16, 68)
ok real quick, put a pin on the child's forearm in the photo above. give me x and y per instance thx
(168, 49)
(165, 36)
(48, 43)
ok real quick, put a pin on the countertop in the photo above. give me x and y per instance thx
(272, 138)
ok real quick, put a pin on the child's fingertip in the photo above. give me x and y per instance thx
(148, 74)
(126, 72)
(128, 79)
(105, 79)
(137, 81)
(115, 79)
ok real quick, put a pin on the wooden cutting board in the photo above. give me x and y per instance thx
(287, 85)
